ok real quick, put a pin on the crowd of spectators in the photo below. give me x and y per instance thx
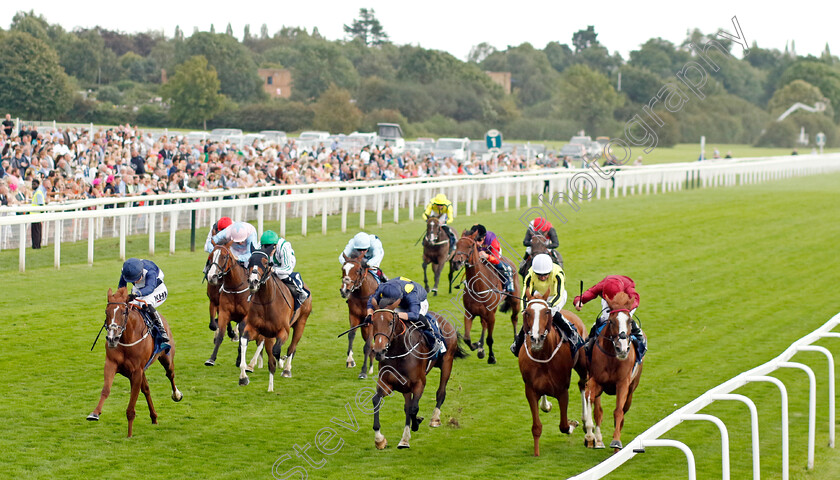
(74, 164)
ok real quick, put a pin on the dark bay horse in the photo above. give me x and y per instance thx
(357, 285)
(539, 244)
(613, 369)
(483, 294)
(404, 360)
(435, 252)
(231, 280)
(271, 315)
(546, 363)
(129, 348)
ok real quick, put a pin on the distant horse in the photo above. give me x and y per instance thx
(435, 252)
(271, 315)
(230, 279)
(357, 285)
(484, 293)
(404, 360)
(612, 369)
(539, 244)
(129, 349)
(546, 363)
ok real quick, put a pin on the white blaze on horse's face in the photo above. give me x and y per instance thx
(214, 268)
(254, 278)
(536, 336)
(623, 331)
(113, 336)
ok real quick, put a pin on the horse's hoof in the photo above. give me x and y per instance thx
(351, 364)
(472, 346)
(545, 405)
(286, 374)
(599, 445)
(403, 445)
(415, 425)
(434, 292)
(381, 445)
(249, 369)
(616, 444)
(243, 381)
(213, 326)
(362, 376)
(434, 423)
(491, 359)
(209, 363)
(93, 417)
(177, 396)
(572, 425)
(154, 421)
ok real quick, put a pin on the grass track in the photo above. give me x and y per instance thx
(728, 278)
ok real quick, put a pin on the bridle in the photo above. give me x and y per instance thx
(229, 261)
(543, 336)
(433, 234)
(614, 339)
(122, 326)
(468, 254)
(359, 281)
(392, 325)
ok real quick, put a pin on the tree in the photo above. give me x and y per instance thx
(229, 30)
(587, 97)
(193, 92)
(797, 91)
(559, 56)
(179, 34)
(335, 111)
(28, 22)
(367, 28)
(583, 39)
(481, 51)
(232, 60)
(246, 33)
(264, 31)
(640, 84)
(818, 74)
(32, 83)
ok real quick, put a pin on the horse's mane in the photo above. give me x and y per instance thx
(620, 301)
(121, 294)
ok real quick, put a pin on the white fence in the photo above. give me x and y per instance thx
(120, 217)
(723, 392)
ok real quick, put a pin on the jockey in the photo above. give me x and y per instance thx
(607, 289)
(543, 227)
(217, 227)
(490, 250)
(546, 276)
(370, 248)
(441, 207)
(283, 261)
(244, 238)
(148, 292)
(413, 305)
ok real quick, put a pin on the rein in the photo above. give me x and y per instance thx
(122, 327)
(390, 334)
(225, 272)
(559, 344)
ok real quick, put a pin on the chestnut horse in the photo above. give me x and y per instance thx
(271, 315)
(612, 369)
(129, 348)
(357, 285)
(435, 251)
(484, 293)
(230, 278)
(547, 363)
(404, 360)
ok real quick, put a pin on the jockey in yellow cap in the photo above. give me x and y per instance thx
(441, 207)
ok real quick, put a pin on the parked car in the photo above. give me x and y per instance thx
(575, 151)
(452, 147)
(390, 134)
(275, 136)
(414, 147)
(581, 140)
(314, 135)
(222, 134)
(366, 139)
(250, 138)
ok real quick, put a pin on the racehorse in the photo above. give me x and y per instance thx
(547, 363)
(612, 369)
(357, 285)
(484, 293)
(404, 360)
(435, 252)
(539, 244)
(130, 351)
(231, 279)
(271, 315)
(213, 296)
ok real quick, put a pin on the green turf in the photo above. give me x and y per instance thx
(729, 278)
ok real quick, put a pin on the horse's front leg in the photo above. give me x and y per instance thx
(621, 391)
(566, 426)
(110, 371)
(491, 323)
(378, 439)
(257, 356)
(425, 275)
(218, 338)
(368, 358)
(536, 424)
(243, 347)
(438, 269)
(272, 363)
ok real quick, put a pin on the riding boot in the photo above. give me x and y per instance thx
(517, 343)
(157, 321)
(452, 240)
(590, 340)
(432, 326)
(293, 289)
(638, 338)
(567, 329)
(380, 274)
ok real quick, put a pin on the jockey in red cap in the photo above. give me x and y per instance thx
(217, 227)
(540, 226)
(607, 289)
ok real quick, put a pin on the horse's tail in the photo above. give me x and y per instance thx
(459, 349)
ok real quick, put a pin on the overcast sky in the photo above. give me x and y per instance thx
(455, 26)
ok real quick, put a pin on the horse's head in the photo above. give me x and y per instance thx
(433, 230)
(384, 322)
(259, 269)
(352, 274)
(116, 316)
(221, 263)
(619, 324)
(539, 244)
(465, 247)
(536, 319)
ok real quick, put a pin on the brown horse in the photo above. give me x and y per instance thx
(484, 293)
(547, 363)
(230, 279)
(612, 369)
(357, 285)
(539, 244)
(271, 315)
(129, 350)
(404, 360)
(435, 252)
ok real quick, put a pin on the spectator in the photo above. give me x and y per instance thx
(39, 198)
(8, 125)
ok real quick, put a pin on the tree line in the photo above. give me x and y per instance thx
(103, 76)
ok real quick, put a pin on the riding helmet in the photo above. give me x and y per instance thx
(132, 270)
(361, 241)
(541, 225)
(542, 264)
(223, 223)
(440, 199)
(269, 237)
(389, 294)
(239, 233)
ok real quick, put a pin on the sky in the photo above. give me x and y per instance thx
(456, 26)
